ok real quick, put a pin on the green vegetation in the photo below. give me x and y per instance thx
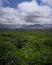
(26, 48)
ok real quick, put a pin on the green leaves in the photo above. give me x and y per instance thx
(26, 48)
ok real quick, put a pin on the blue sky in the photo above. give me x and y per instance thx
(14, 3)
(26, 12)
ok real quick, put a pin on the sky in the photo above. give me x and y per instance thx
(26, 12)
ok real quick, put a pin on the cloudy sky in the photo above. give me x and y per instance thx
(25, 12)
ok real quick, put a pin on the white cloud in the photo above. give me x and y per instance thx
(35, 13)
(9, 16)
(26, 13)
(48, 2)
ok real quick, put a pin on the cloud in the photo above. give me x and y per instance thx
(35, 13)
(26, 13)
(48, 2)
(9, 16)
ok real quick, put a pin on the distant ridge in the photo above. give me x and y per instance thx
(32, 27)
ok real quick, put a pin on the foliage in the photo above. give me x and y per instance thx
(26, 48)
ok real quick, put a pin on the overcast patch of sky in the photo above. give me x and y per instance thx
(29, 9)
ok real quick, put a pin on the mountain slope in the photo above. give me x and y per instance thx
(35, 26)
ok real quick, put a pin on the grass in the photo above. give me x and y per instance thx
(26, 48)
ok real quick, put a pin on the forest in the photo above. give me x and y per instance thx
(26, 47)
